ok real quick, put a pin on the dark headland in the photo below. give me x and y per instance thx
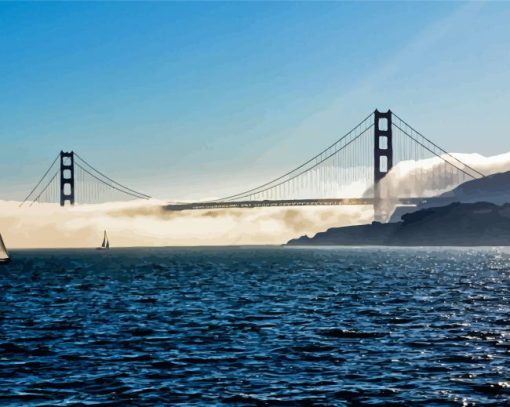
(482, 220)
(457, 224)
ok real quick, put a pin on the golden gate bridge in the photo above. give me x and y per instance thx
(355, 170)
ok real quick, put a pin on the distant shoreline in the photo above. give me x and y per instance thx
(480, 224)
(259, 247)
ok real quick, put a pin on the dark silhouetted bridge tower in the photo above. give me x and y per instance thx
(74, 181)
(360, 160)
(383, 157)
(66, 178)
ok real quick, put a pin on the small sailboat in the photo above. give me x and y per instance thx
(106, 243)
(4, 254)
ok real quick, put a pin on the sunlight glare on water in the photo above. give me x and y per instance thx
(252, 326)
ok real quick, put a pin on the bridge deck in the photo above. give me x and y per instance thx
(295, 202)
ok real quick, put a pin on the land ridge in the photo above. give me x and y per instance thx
(456, 224)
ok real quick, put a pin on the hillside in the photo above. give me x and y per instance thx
(493, 188)
(471, 224)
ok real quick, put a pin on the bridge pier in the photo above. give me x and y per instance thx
(66, 178)
(383, 161)
(382, 212)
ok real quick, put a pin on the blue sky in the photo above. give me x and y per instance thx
(191, 100)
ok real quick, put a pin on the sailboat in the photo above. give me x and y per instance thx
(4, 255)
(106, 243)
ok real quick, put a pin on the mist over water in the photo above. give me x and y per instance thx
(427, 177)
(147, 223)
(256, 327)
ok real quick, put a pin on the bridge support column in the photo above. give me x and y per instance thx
(66, 178)
(383, 160)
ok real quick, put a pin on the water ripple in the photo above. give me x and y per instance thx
(264, 327)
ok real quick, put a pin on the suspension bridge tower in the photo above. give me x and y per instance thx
(66, 178)
(383, 159)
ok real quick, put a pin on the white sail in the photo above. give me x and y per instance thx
(3, 250)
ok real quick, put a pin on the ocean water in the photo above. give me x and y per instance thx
(256, 326)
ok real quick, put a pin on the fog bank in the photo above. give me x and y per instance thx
(147, 223)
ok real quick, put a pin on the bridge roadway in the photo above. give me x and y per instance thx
(301, 202)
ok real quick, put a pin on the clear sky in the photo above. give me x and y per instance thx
(193, 100)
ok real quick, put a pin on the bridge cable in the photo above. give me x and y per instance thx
(435, 145)
(44, 189)
(41, 180)
(306, 170)
(142, 195)
(299, 167)
(437, 155)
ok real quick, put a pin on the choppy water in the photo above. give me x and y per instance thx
(256, 327)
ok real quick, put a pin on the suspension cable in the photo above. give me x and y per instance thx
(141, 195)
(433, 152)
(307, 169)
(241, 194)
(41, 180)
(44, 189)
(435, 145)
